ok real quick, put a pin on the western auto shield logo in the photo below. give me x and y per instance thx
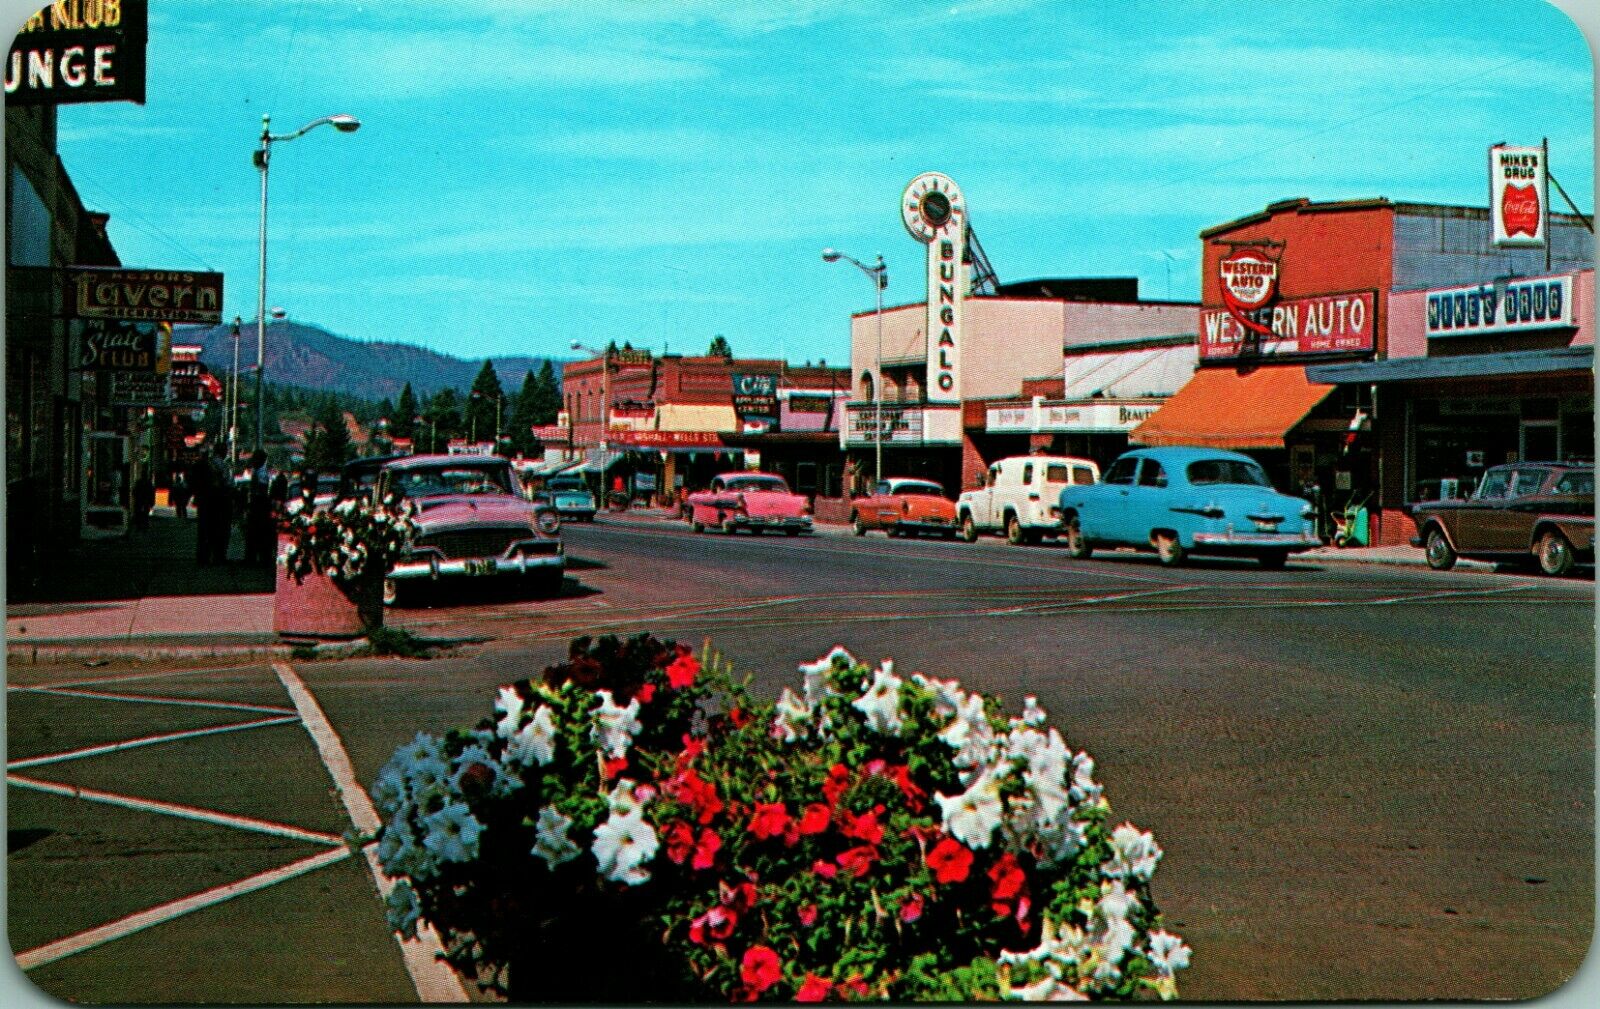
(1249, 280)
(1519, 208)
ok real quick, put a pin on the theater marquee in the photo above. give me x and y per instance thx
(936, 215)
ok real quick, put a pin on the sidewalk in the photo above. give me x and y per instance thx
(142, 595)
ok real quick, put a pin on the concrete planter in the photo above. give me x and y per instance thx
(320, 607)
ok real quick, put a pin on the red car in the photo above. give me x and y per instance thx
(753, 501)
(903, 506)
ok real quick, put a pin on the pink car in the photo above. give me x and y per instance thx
(753, 501)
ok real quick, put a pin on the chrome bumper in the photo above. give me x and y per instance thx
(437, 567)
(1280, 541)
(773, 522)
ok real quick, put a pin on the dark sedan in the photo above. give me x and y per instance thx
(1520, 512)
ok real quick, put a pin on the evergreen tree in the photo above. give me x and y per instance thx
(719, 347)
(485, 404)
(444, 415)
(402, 423)
(522, 415)
(328, 444)
(547, 403)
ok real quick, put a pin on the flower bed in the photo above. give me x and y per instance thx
(350, 547)
(631, 825)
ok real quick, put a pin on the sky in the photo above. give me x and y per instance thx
(531, 173)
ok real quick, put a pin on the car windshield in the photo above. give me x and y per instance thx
(1576, 483)
(566, 485)
(1495, 484)
(758, 483)
(1231, 471)
(417, 483)
(918, 487)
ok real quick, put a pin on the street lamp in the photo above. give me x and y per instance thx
(342, 123)
(605, 394)
(879, 275)
(233, 397)
(498, 400)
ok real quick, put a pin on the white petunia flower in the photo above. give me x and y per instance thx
(509, 705)
(793, 718)
(476, 754)
(1084, 788)
(295, 506)
(396, 846)
(622, 846)
(1167, 953)
(420, 748)
(614, 726)
(1061, 835)
(816, 674)
(1134, 854)
(389, 789)
(881, 703)
(402, 909)
(452, 833)
(428, 778)
(969, 734)
(972, 816)
(536, 741)
(628, 798)
(552, 843)
(1032, 714)
(948, 697)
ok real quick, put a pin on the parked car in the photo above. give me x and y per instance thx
(903, 506)
(357, 477)
(472, 523)
(323, 494)
(569, 496)
(753, 501)
(1519, 512)
(1018, 497)
(1182, 501)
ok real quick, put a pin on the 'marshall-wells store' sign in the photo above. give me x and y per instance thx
(79, 51)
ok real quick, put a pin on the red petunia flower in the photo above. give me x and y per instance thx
(690, 789)
(646, 693)
(769, 820)
(715, 924)
(815, 819)
(612, 768)
(854, 989)
(838, 781)
(1007, 877)
(950, 861)
(760, 969)
(679, 841)
(864, 827)
(739, 717)
(914, 794)
(738, 899)
(827, 870)
(857, 860)
(911, 909)
(814, 989)
(682, 671)
(705, 850)
(808, 915)
(692, 748)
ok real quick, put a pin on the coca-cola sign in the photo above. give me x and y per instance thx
(1249, 281)
(1518, 200)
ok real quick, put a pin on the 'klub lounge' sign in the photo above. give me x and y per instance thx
(1327, 324)
(75, 51)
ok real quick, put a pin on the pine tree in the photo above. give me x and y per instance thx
(522, 415)
(403, 422)
(547, 403)
(444, 414)
(328, 445)
(485, 404)
(719, 347)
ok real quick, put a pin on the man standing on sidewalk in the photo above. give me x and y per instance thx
(213, 501)
(258, 512)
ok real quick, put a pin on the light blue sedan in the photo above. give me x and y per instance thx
(1178, 501)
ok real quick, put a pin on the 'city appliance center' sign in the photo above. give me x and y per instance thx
(147, 295)
(1329, 324)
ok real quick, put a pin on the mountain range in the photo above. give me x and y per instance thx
(313, 358)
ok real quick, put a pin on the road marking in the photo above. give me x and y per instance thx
(95, 751)
(432, 978)
(174, 809)
(61, 948)
(180, 702)
(131, 677)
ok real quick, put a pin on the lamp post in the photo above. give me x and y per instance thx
(879, 275)
(342, 123)
(605, 394)
(498, 400)
(233, 397)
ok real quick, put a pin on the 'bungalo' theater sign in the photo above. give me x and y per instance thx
(79, 51)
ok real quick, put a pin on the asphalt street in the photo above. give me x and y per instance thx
(1369, 782)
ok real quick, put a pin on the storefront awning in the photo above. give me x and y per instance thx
(1222, 408)
(696, 417)
(1426, 369)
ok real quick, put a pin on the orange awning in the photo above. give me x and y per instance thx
(1224, 408)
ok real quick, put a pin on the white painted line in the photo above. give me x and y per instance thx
(61, 948)
(433, 979)
(179, 702)
(131, 677)
(95, 751)
(174, 809)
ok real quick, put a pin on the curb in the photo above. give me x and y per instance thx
(128, 650)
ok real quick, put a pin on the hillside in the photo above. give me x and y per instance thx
(313, 358)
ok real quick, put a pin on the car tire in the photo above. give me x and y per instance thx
(1555, 555)
(1273, 560)
(1014, 533)
(728, 526)
(1441, 556)
(548, 584)
(969, 529)
(856, 525)
(1078, 548)
(391, 592)
(1169, 550)
(791, 532)
(697, 527)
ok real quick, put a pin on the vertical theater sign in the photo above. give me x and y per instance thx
(936, 215)
(1519, 202)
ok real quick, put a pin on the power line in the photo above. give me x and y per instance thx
(130, 217)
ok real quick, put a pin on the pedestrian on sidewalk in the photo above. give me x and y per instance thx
(144, 499)
(213, 500)
(258, 528)
(180, 493)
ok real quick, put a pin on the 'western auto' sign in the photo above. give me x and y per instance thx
(1328, 324)
(1518, 196)
(146, 295)
(1249, 280)
(79, 51)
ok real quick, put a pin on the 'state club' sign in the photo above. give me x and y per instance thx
(79, 51)
(1330, 324)
(146, 295)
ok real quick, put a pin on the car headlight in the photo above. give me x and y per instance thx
(547, 522)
